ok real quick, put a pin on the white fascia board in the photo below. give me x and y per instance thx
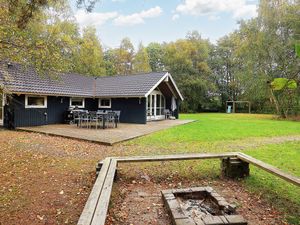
(172, 80)
(155, 86)
(167, 75)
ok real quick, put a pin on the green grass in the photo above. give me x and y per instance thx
(221, 127)
(285, 195)
(234, 132)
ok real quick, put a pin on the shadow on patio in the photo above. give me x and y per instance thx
(124, 132)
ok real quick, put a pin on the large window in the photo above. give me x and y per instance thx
(79, 102)
(35, 101)
(156, 105)
(160, 104)
(104, 103)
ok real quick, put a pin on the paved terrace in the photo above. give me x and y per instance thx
(109, 136)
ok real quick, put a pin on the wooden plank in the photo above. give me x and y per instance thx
(90, 206)
(269, 168)
(175, 157)
(102, 205)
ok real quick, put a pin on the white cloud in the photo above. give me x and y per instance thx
(238, 8)
(94, 18)
(137, 18)
(175, 17)
(245, 11)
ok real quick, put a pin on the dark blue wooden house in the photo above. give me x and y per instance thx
(29, 99)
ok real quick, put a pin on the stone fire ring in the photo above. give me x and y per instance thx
(180, 218)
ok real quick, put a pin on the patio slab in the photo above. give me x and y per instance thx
(109, 136)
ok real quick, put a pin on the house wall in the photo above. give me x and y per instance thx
(91, 104)
(132, 111)
(54, 113)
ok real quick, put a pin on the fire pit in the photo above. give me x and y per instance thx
(200, 206)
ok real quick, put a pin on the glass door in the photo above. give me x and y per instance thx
(155, 106)
(1, 109)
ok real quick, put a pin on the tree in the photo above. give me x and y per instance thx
(187, 55)
(265, 45)
(141, 61)
(283, 92)
(40, 33)
(246, 61)
(110, 61)
(224, 65)
(47, 42)
(187, 60)
(23, 11)
(156, 54)
(89, 59)
(125, 56)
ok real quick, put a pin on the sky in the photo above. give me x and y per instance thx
(165, 20)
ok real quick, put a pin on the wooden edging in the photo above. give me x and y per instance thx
(96, 207)
(174, 157)
(65, 136)
(269, 168)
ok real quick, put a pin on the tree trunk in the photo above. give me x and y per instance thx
(275, 102)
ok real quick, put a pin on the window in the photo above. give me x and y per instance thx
(105, 103)
(35, 101)
(156, 104)
(79, 102)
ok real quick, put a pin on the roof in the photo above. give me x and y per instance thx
(132, 85)
(19, 79)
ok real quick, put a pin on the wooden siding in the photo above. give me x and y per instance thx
(54, 113)
(91, 104)
(133, 110)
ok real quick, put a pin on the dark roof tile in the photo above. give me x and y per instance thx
(19, 79)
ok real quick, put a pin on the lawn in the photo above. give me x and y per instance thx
(282, 194)
(216, 127)
(47, 179)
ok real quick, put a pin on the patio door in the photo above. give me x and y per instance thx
(1, 108)
(155, 106)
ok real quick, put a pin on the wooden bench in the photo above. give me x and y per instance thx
(96, 207)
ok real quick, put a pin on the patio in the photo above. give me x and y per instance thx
(124, 132)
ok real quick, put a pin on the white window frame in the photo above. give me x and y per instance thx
(79, 106)
(102, 106)
(154, 116)
(35, 106)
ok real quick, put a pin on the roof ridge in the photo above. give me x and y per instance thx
(130, 75)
